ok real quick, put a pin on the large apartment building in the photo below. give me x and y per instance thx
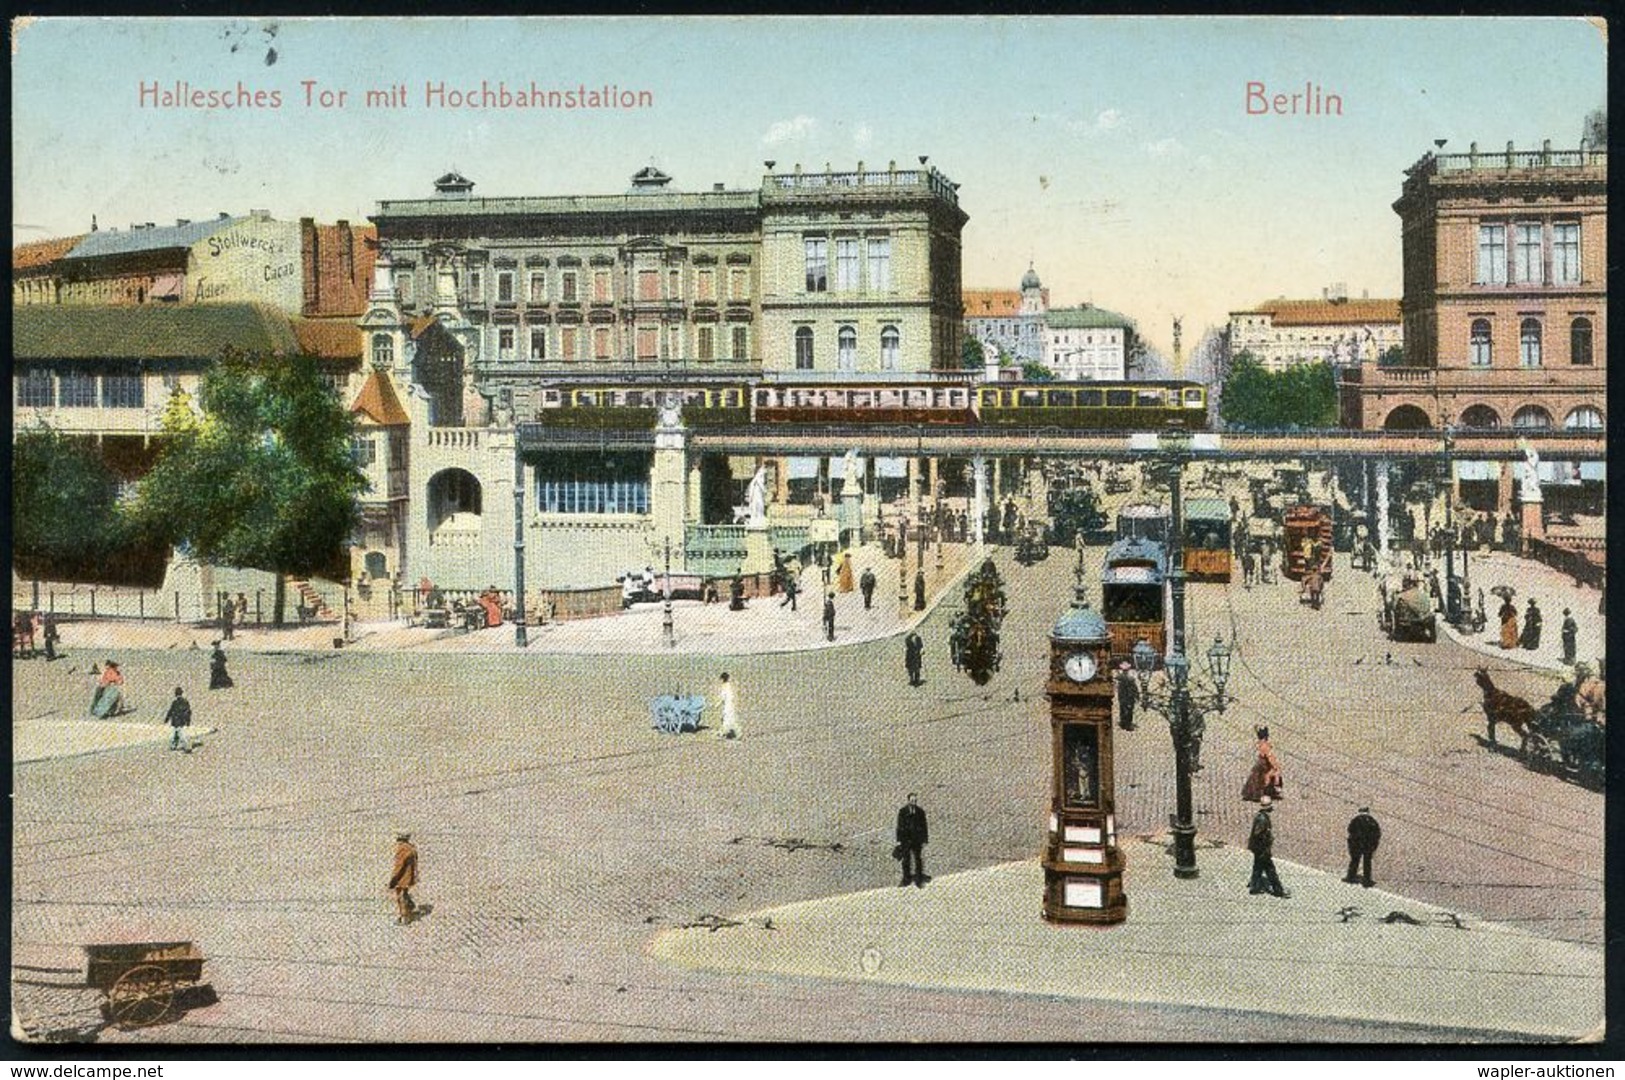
(1334, 330)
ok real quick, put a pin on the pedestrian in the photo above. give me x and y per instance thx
(778, 572)
(1128, 695)
(727, 696)
(242, 609)
(1263, 783)
(843, 573)
(179, 717)
(1261, 842)
(790, 591)
(109, 697)
(228, 617)
(829, 617)
(913, 656)
(824, 566)
(1571, 638)
(964, 527)
(866, 583)
(736, 594)
(919, 589)
(51, 636)
(912, 835)
(1508, 614)
(1530, 638)
(1364, 835)
(404, 877)
(1249, 568)
(219, 679)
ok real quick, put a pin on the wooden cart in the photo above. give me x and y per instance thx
(140, 980)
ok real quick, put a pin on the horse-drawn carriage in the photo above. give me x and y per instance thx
(1556, 738)
(135, 985)
(1032, 544)
(1407, 613)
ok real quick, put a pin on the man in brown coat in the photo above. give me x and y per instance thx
(404, 877)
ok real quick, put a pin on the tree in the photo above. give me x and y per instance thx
(1302, 396)
(1032, 371)
(971, 354)
(66, 517)
(1392, 356)
(267, 479)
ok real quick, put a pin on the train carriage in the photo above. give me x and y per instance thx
(1143, 521)
(877, 403)
(1133, 596)
(1205, 540)
(631, 407)
(1102, 406)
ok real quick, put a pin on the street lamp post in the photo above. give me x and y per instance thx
(519, 631)
(1453, 595)
(666, 626)
(919, 500)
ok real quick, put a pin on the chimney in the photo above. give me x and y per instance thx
(181, 222)
(716, 187)
(1325, 293)
(224, 216)
(347, 254)
(92, 222)
(152, 225)
(309, 257)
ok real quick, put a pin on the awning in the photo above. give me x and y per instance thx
(1593, 470)
(802, 468)
(168, 287)
(837, 467)
(1559, 473)
(891, 466)
(1478, 470)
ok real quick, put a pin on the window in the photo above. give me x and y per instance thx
(538, 343)
(578, 483)
(1532, 417)
(403, 285)
(569, 343)
(538, 286)
(674, 284)
(1492, 254)
(476, 286)
(1580, 341)
(363, 452)
(35, 389)
(890, 342)
(1529, 343)
(1480, 416)
(804, 348)
(383, 351)
(846, 349)
(738, 285)
(504, 286)
(600, 342)
(1526, 257)
(1584, 418)
(741, 343)
(879, 264)
(602, 292)
(648, 343)
(705, 342)
(505, 342)
(648, 284)
(817, 264)
(397, 450)
(567, 287)
(705, 286)
(1479, 345)
(78, 390)
(674, 342)
(122, 390)
(846, 265)
(1566, 253)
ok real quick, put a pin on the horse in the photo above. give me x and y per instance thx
(1501, 707)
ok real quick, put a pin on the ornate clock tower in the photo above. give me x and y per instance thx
(1083, 868)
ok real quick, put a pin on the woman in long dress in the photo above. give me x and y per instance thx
(109, 699)
(1265, 777)
(219, 678)
(843, 573)
(1509, 624)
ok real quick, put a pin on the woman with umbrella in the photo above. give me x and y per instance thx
(1508, 614)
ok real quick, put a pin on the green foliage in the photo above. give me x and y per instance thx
(67, 522)
(1032, 371)
(1073, 511)
(1392, 356)
(1302, 396)
(267, 479)
(971, 354)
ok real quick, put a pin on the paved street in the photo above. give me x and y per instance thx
(560, 834)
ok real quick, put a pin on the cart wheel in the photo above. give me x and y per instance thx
(141, 997)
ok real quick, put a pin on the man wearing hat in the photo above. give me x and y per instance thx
(1364, 835)
(1571, 638)
(404, 877)
(1128, 695)
(1261, 842)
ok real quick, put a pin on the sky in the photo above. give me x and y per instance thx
(1117, 155)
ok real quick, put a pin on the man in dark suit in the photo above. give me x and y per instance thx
(1261, 842)
(913, 656)
(829, 617)
(867, 584)
(1364, 835)
(911, 837)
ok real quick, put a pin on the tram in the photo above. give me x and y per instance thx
(1306, 534)
(1205, 540)
(1133, 596)
(1143, 521)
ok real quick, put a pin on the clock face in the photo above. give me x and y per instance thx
(1080, 667)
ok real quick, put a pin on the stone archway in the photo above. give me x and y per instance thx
(1407, 418)
(1480, 416)
(454, 501)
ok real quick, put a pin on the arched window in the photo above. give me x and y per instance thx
(1584, 418)
(1407, 418)
(804, 348)
(1480, 416)
(1580, 341)
(846, 349)
(890, 346)
(1529, 343)
(1480, 344)
(1532, 417)
(383, 351)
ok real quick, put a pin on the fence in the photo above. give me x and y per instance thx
(1582, 558)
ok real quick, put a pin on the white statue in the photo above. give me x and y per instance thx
(851, 484)
(671, 412)
(758, 498)
(1529, 489)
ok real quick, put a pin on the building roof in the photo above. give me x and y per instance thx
(1029, 280)
(41, 253)
(378, 402)
(188, 331)
(1080, 623)
(1087, 317)
(1206, 509)
(338, 292)
(991, 303)
(1326, 312)
(329, 339)
(159, 238)
(643, 203)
